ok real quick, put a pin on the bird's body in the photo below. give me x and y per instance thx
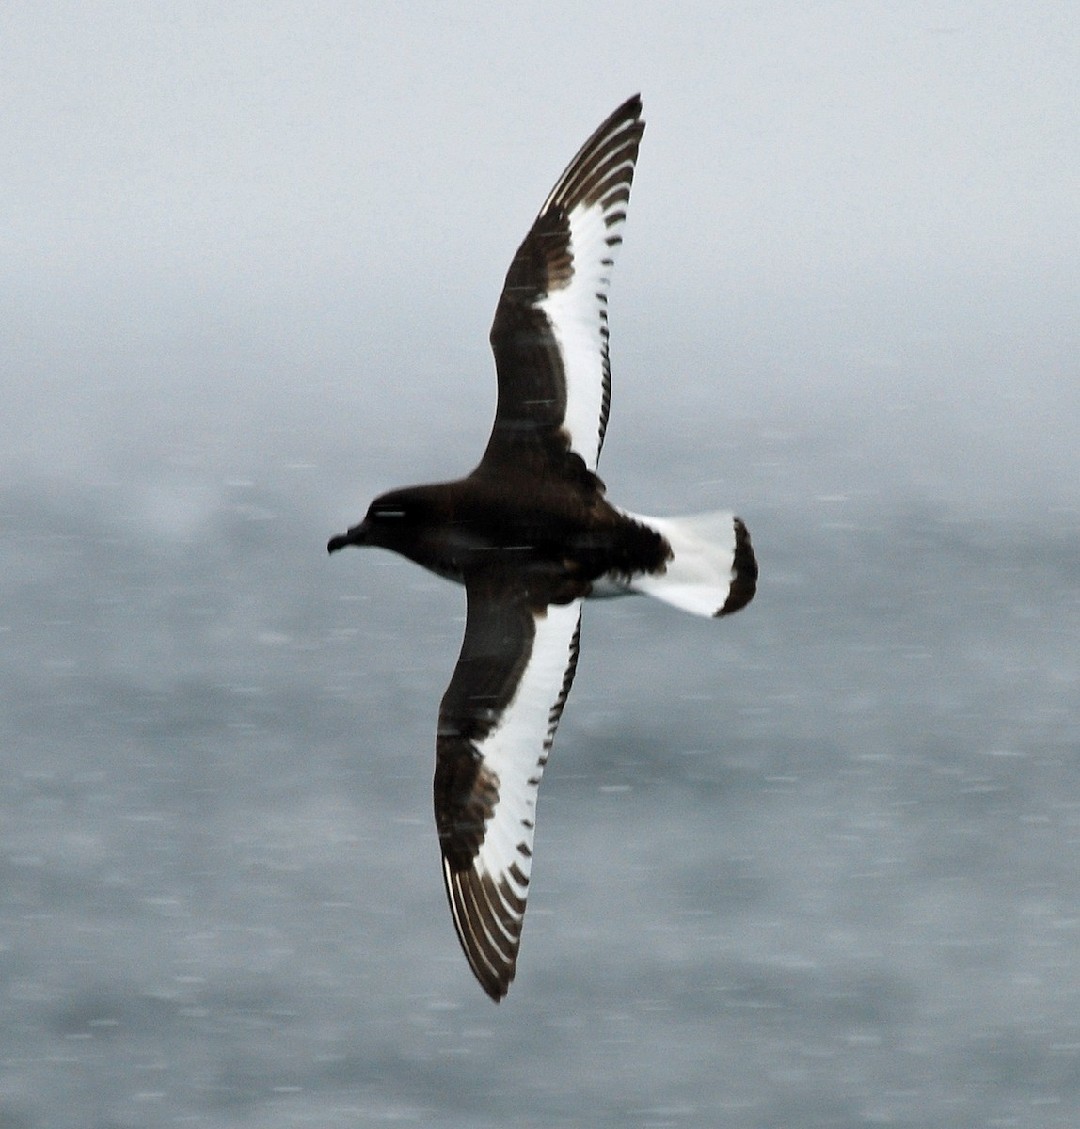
(531, 533)
(553, 535)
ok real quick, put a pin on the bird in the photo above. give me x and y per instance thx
(530, 534)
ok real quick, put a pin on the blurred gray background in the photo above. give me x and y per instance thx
(818, 865)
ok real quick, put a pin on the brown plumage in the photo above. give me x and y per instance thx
(530, 534)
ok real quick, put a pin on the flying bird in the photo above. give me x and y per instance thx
(530, 534)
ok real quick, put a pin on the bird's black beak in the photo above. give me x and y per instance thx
(356, 536)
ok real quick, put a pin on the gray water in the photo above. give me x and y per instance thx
(817, 865)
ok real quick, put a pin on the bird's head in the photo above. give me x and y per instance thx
(386, 524)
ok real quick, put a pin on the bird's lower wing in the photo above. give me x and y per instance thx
(496, 725)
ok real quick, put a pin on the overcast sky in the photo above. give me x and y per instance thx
(246, 236)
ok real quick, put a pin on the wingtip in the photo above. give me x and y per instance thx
(630, 110)
(496, 992)
(494, 970)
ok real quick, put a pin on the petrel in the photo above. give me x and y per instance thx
(530, 534)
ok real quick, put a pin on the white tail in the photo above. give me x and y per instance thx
(712, 571)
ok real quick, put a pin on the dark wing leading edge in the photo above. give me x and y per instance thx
(550, 334)
(496, 724)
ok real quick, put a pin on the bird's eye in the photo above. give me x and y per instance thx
(390, 513)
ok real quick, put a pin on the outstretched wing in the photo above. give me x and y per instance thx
(550, 334)
(496, 724)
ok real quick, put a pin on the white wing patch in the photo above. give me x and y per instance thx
(579, 322)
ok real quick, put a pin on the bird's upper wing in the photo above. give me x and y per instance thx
(496, 725)
(550, 334)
